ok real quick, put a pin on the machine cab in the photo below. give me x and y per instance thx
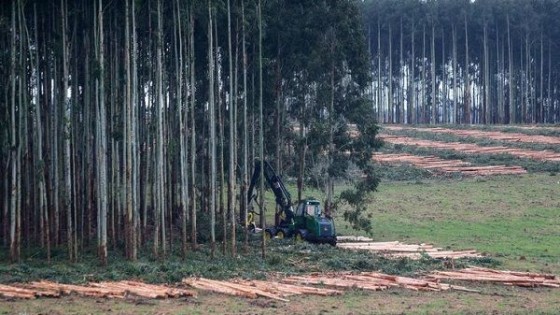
(309, 207)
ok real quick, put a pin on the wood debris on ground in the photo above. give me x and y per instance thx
(120, 290)
(438, 165)
(397, 249)
(255, 288)
(505, 277)
(373, 281)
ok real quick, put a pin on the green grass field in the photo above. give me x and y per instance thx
(513, 218)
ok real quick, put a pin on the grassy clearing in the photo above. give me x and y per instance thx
(513, 218)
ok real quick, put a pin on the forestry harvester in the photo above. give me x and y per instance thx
(307, 222)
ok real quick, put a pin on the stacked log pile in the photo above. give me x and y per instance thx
(397, 249)
(438, 165)
(505, 277)
(118, 290)
(284, 287)
(373, 281)
(17, 292)
(471, 148)
(254, 288)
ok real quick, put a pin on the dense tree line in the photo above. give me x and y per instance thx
(132, 125)
(462, 61)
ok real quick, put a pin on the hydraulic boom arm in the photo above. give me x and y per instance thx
(283, 197)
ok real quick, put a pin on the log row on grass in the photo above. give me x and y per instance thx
(371, 281)
(413, 251)
(442, 166)
(471, 148)
(505, 277)
(494, 135)
(120, 289)
(254, 288)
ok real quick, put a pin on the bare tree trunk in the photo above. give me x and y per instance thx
(486, 104)
(467, 96)
(380, 109)
(232, 146)
(159, 178)
(15, 154)
(411, 112)
(454, 74)
(102, 145)
(445, 114)
(401, 116)
(43, 202)
(135, 235)
(549, 99)
(183, 133)
(261, 131)
(433, 118)
(212, 132)
(390, 92)
(511, 84)
(540, 118)
(245, 176)
(424, 106)
(193, 129)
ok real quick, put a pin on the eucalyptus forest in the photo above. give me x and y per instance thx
(132, 126)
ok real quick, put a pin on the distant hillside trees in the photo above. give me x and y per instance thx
(468, 62)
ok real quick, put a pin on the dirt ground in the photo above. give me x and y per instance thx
(491, 300)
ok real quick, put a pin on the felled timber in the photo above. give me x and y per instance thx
(8, 291)
(67, 289)
(471, 148)
(119, 290)
(351, 238)
(494, 135)
(284, 289)
(373, 281)
(230, 288)
(504, 277)
(413, 251)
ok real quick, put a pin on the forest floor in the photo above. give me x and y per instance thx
(512, 219)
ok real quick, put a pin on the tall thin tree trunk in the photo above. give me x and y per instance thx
(454, 74)
(390, 91)
(433, 116)
(232, 145)
(411, 112)
(380, 110)
(486, 105)
(102, 144)
(193, 129)
(212, 132)
(43, 202)
(245, 176)
(182, 128)
(135, 135)
(467, 96)
(511, 84)
(424, 106)
(261, 131)
(15, 154)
